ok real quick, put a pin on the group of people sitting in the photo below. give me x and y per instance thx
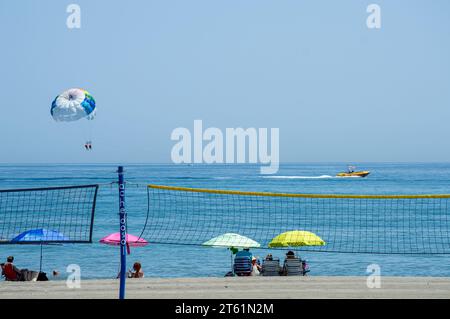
(12, 273)
(245, 264)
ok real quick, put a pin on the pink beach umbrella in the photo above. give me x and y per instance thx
(133, 241)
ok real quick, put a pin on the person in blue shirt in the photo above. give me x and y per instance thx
(244, 253)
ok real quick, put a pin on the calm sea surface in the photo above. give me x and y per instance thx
(100, 261)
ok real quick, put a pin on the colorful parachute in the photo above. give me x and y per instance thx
(72, 105)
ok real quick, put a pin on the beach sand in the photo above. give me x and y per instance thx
(235, 287)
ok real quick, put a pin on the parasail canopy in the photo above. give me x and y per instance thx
(72, 105)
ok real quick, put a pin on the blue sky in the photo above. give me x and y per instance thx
(337, 90)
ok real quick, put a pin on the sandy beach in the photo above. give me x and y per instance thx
(242, 288)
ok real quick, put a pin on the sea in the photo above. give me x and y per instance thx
(99, 261)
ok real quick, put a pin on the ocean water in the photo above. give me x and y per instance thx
(100, 261)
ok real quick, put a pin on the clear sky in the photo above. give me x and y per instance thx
(337, 90)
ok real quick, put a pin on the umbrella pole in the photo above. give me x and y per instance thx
(40, 262)
(231, 257)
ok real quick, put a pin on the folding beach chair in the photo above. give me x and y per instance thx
(29, 275)
(271, 267)
(293, 267)
(242, 266)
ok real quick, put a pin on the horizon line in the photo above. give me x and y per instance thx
(222, 164)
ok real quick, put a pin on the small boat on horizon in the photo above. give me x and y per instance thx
(351, 172)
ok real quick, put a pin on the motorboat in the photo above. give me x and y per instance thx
(351, 172)
(354, 174)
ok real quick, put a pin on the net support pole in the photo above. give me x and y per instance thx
(123, 233)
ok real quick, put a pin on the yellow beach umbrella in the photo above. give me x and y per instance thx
(296, 238)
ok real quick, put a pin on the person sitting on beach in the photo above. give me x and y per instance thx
(305, 268)
(10, 271)
(289, 255)
(256, 268)
(244, 253)
(138, 273)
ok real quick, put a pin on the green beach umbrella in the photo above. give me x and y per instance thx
(232, 241)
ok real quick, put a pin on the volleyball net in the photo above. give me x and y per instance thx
(382, 224)
(53, 214)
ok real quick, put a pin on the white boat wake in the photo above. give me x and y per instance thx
(299, 177)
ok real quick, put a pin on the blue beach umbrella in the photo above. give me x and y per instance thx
(39, 236)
